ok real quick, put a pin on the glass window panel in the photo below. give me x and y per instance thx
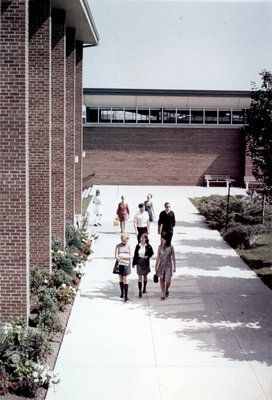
(143, 115)
(238, 116)
(197, 116)
(156, 116)
(210, 116)
(224, 116)
(183, 116)
(130, 115)
(105, 115)
(169, 116)
(117, 115)
(92, 114)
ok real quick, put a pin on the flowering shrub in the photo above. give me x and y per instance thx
(66, 294)
(40, 374)
(7, 383)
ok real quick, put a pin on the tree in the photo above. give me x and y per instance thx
(258, 131)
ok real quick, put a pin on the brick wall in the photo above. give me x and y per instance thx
(70, 124)
(14, 199)
(168, 156)
(78, 128)
(40, 132)
(58, 123)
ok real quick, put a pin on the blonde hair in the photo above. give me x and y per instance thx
(124, 236)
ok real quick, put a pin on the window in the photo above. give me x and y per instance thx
(92, 114)
(224, 116)
(143, 115)
(105, 115)
(183, 116)
(118, 115)
(238, 117)
(197, 116)
(130, 115)
(155, 116)
(169, 116)
(210, 116)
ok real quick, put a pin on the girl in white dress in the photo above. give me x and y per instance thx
(97, 208)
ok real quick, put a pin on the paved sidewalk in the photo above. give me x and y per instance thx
(210, 340)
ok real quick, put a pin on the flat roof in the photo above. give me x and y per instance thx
(98, 97)
(79, 16)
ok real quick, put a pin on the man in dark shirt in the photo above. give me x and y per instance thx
(166, 222)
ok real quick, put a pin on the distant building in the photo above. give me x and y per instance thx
(169, 137)
(41, 135)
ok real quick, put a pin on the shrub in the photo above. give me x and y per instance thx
(56, 244)
(59, 277)
(241, 210)
(241, 236)
(37, 278)
(65, 263)
(73, 237)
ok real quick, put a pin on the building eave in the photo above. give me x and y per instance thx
(79, 17)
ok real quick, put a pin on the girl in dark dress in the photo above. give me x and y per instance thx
(149, 207)
(142, 254)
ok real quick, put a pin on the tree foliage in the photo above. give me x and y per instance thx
(258, 131)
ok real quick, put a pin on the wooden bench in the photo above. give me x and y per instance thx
(217, 178)
(251, 181)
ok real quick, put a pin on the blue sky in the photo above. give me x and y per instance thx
(214, 45)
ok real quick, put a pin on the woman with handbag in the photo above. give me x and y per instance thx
(165, 265)
(122, 214)
(142, 254)
(123, 257)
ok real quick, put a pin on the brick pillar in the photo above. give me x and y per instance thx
(14, 200)
(248, 166)
(58, 123)
(70, 124)
(78, 128)
(40, 132)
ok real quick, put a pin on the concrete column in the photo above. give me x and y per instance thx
(78, 128)
(70, 124)
(14, 142)
(40, 132)
(58, 123)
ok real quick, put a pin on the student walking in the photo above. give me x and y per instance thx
(123, 256)
(149, 207)
(123, 214)
(166, 222)
(97, 208)
(141, 221)
(165, 265)
(142, 254)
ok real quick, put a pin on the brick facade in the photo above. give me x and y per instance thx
(14, 142)
(161, 156)
(78, 128)
(40, 132)
(70, 124)
(37, 100)
(58, 123)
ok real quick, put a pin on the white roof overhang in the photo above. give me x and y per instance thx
(79, 17)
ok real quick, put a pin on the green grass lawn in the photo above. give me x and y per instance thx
(259, 258)
(85, 204)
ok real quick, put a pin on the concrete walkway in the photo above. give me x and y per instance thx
(210, 340)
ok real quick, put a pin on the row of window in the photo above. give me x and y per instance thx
(164, 115)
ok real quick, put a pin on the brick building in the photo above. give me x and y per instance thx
(169, 137)
(41, 134)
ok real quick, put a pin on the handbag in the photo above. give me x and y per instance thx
(116, 221)
(116, 268)
(155, 278)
